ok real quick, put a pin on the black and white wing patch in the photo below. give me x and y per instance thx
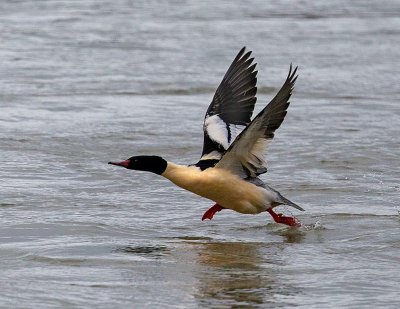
(231, 108)
(246, 155)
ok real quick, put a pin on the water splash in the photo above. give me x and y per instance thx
(314, 226)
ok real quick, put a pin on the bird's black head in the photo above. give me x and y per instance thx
(152, 164)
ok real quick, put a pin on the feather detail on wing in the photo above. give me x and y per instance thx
(231, 108)
(246, 155)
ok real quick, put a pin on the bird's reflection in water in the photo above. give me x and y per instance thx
(238, 274)
(292, 236)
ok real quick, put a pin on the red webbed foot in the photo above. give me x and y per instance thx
(279, 218)
(209, 214)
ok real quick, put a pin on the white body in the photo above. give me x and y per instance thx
(221, 186)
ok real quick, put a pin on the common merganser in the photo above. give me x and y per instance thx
(234, 147)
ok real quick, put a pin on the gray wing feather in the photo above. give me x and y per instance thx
(246, 155)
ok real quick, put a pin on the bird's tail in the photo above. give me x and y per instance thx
(285, 201)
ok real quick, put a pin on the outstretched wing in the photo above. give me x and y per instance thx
(230, 110)
(246, 155)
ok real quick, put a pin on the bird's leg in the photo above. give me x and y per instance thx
(279, 218)
(209, 214)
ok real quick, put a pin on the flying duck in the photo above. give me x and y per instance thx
(234, 147)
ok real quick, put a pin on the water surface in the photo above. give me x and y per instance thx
(85, 82)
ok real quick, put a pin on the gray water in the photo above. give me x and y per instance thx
(85, 82)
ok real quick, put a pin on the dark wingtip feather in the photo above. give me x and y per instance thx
(234, 98)
(292, 73)
(252, 67)
(293, 76)
(246, 57)
(240, 54)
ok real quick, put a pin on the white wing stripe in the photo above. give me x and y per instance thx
(216, 130)
(236, 129)
(213, 155)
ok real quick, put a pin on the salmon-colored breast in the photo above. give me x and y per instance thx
(224, 188)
